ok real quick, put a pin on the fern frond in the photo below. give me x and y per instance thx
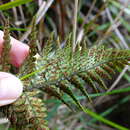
(27, 113)
(29, 64)
(87, 67)
(5, 58)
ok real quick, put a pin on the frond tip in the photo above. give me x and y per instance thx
(5, 59)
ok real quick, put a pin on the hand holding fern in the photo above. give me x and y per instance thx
(10, 86)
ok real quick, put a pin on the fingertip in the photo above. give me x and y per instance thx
(11, 88)
(18, 53)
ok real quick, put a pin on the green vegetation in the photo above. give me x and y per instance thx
(77, 73)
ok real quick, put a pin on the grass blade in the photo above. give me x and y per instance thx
(13, 4)
(102, 119)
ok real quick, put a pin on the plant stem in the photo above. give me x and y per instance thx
(75, 26)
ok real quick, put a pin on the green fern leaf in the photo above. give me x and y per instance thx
(88, 66)
(88, 80)
(27, 113)
(5, 59)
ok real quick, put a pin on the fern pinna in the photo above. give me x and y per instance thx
(57, 72)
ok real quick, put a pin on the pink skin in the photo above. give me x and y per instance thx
(10, 86)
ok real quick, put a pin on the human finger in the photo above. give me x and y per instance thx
(10, 88)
